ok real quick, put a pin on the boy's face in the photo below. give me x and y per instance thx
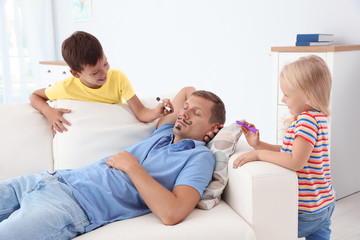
(194, 119)
(93, 76)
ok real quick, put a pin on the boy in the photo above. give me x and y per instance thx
(92, 80)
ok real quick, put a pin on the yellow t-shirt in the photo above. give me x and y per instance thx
(116, 87)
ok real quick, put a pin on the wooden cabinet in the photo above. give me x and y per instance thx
(52, 72)
(344, 65)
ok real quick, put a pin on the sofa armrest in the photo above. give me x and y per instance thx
(265, 195)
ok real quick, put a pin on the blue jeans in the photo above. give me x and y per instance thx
(315, 226)
(39, 206)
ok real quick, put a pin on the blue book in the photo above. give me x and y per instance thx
(314, 37)
(323, 43)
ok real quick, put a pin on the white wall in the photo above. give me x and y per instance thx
(218, 45)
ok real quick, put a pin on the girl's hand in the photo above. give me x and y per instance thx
(252, 138)
(245, 158)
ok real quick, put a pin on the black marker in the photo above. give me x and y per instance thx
(160, 101)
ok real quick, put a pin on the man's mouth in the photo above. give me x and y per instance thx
(182, 122)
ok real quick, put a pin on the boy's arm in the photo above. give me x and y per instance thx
(145, 114)
(170, 207)
(55, 117)
(178, 104)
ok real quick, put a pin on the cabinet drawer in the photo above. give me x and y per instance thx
(53, 73)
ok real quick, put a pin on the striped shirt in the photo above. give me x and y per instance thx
(315, 187)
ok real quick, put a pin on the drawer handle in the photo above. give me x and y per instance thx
(49, 71)
(64, 72)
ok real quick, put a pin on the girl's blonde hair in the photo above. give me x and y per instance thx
(311, 77)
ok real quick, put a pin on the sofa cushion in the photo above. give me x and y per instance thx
(97, 130)
(218, 223)
(222, 146)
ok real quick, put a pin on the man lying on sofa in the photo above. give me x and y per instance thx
(164, 174)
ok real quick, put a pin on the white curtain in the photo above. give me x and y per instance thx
(26, 37)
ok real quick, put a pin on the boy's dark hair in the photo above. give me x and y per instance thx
(81, 49)
(218, 110)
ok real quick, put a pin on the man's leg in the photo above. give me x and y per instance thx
(13, 190)
(49, 211)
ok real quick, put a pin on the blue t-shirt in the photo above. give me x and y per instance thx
(107, 194)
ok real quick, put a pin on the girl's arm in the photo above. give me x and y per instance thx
(254, 139)
(295, 161)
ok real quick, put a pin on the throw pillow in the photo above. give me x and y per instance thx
(222, 146)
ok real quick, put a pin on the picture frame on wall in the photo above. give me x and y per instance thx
(81, 10)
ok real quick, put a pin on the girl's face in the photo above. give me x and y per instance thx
(295, 102)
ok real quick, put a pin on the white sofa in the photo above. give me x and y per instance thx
(259, 202)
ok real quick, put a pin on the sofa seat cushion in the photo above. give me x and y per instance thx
(220, 222)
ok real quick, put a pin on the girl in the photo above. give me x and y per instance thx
(306, 85)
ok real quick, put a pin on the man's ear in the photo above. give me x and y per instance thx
(215, 126)
(75, 73)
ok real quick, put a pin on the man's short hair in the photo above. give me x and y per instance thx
(218, 114)
(81, 49)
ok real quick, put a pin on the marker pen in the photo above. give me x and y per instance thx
(160, 101)
(254, 130)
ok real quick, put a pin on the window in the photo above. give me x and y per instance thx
(27, 37)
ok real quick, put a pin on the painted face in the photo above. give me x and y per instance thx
(295, 102)
(193, 119)
(95, 76)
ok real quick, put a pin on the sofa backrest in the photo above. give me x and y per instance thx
(98, 130)
(25, 141)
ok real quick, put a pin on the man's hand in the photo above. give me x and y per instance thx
(56, 119)
(210, 135)
(122, 161)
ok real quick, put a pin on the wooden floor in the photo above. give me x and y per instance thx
(346, 218)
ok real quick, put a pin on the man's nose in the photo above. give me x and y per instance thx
(187, 113)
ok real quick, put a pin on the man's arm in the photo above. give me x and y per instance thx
(55, 116)
(177, 104)
(170, 207)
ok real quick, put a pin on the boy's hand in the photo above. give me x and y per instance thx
(164, 107)
(210, 135)
(56, 119)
